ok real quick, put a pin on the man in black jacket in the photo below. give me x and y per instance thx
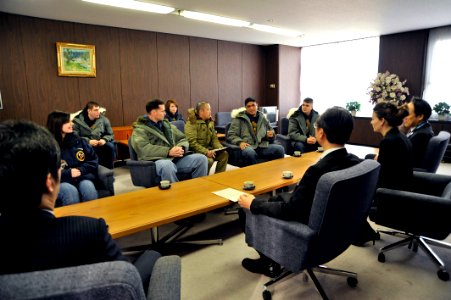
(32, 238)
(419, 129)
(332, 131)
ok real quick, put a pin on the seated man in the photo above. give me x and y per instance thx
(94, 127)
(300, 127)
(201, 134)
(332, 130)
(155, 138)
(32, 237)
(419, 131)
(251, 131)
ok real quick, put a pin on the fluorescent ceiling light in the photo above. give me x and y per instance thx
(136, 5)
(212, 18)
(275, 30)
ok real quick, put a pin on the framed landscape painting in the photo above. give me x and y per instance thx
(76, 60)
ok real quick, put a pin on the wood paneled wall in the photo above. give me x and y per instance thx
(133, 67)
(405, 55)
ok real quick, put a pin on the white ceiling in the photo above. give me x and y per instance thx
(321, 21)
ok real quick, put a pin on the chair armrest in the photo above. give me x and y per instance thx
(165, 282)
(286, 242)
(230, 146)
(106, 180)
(429, 183)
(412, 212)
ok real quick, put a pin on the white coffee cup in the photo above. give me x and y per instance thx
(165, 183)
(320, 149)
(297, 153)
(248, 184)
(287, 174)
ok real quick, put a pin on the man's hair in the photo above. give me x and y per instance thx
(421, 108)
(392, 113)
(28, 153)
(337, 123)
(55, 122)
(249, 99)
(91, 104)
(308, 100)
(153, 104)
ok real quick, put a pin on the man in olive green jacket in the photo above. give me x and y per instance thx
(251, 131)
(201, 134)
(154, 138)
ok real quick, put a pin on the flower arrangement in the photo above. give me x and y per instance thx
(388, 87)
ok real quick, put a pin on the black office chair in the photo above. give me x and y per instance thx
(341, 203)
(180, 124)
(434, 153)
(221, 121)
(422, 215)
(283, 139)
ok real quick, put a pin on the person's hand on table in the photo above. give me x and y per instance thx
(245, 200)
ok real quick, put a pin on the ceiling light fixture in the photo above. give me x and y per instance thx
(136, 5)
(275, 30)
(213, 19)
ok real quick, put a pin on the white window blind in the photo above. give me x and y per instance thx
(337, 73)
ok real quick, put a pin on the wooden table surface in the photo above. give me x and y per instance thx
(144, 209)
(266, 176)
(140, 210)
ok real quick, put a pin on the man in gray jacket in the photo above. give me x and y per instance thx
(154, 138)
(95, 128)
(251, 131)
(301, 127)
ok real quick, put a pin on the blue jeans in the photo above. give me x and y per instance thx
(194, 164)
(70, 194)
(273, 151)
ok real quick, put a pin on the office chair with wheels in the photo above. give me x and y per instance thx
(222, 119)
(434, 153)
(422, 215)
(180, 124)
(341, 203)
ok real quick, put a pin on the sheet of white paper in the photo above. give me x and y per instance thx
(229, 193)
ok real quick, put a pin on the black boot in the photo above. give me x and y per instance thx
(365, 235)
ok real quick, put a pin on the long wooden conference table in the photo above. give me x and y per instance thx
(136, 211)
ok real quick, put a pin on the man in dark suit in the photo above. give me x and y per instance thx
(332, 131)
(32, 238)
(419, 129)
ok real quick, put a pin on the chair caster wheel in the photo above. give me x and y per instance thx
(381, 257)
(267, 295)
(443, 275)
(352, 281)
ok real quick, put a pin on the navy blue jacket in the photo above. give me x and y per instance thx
(80, 155)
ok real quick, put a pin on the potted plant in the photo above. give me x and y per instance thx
(353, 107)
(442, 109)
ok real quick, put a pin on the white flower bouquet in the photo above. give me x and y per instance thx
(388, 87)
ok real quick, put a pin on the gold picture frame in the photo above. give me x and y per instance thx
(76, 60)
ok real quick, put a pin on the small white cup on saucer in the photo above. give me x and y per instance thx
(287, 174)
(164, 184)
(297, 153)
(248, 184)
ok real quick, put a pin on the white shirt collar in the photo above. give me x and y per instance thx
(328, 151)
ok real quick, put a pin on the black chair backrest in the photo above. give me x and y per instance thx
(340, 206)
(435, 151)
(284, 126)
(133, 154)
(223, 118)
(180, 124)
